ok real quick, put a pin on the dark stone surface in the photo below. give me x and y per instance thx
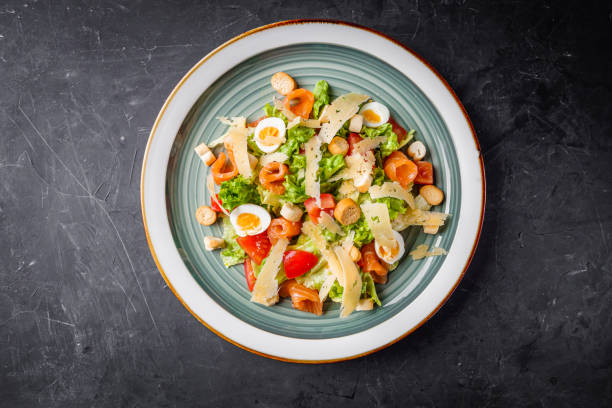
(86, 319)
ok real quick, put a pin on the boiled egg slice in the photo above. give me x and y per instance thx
(249, 219)
(374, 114)
(391, 255)
(269, 134)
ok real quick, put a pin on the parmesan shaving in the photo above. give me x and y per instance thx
(352, 282)
(394, 190)
(314, 234)
(368, 144)
(273, 157)
(338, 112)
(278, 104)
(328, 222)
(358, 167)
(217, 142)
(348, 241)
(422, 251)
(265, 290)
(313, 157)
(377, 217)
(309, 123)
(236, 140)
(347, 190)
(210, 185)
(326, 287)
(425, 218)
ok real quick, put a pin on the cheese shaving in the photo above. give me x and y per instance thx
(236, 140)
(326, 287)
(348, 241)
(273, 157)
(352, 282)
(394, 190)
(358, 167)
(368, 144)
(217, 142)
(423, 251)
(425, 218)
(278, 104)
(328, 222)
(320, 243)
(265, 290)
(210, 185)
(313, 157)
(338, 112)
(309, 123)
(377, 217)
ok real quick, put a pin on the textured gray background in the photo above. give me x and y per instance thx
(86, 319)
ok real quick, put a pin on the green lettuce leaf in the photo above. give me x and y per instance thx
(343, 132)
(238, 191)
(390, 144)
(408, 138)
(321, 95)
(271, 111)
(295, 190)
(298, 161)
(232, 254)
(379, 176)
(253, 146)
(394, 205)
(363, 234)
(330, 165)
(296, 136)
(368, 288)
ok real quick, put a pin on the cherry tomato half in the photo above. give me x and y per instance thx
(297, 263)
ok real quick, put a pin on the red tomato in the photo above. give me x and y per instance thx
(249, 274)
(213, 204)
(398, 130)
(256, 246)
(352, 140)
(425, 175)
(297, 263)
(327, 204)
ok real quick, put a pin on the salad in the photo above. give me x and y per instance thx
(313, 197)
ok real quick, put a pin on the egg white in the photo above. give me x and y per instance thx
(264, 219)
(276, 123)
(381, 110)
(392, 259)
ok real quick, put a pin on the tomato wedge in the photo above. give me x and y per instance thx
(398, 130)
(256, 246)
(214, 206)
(327, 204)
(425, 174)
(297, 263)
(249, 274)
(353, 139)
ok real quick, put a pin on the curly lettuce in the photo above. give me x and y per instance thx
(321, 95)
(298, 161)
(232, 254)
(238, 191)
(296, 136)
(330, 165)
(368, 290)
(271, 111)
(295, 190)
(363, 234)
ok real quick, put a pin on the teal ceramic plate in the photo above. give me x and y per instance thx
(234, 81)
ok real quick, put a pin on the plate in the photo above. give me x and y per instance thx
(233, 80)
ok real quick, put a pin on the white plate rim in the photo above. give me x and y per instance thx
(153, 191)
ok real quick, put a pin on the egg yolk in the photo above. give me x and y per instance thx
(371, 116)
(268, 136)
(247, 222)
(389, 253)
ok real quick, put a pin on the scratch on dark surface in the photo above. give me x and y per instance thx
(132, 166)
